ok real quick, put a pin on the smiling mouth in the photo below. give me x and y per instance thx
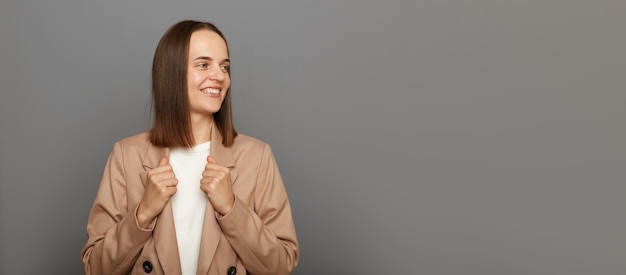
(210, 91)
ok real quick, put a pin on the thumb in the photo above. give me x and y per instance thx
(210, 159)
(163, 161)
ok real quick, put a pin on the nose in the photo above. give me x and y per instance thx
(216, 73)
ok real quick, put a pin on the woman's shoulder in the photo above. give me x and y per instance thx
(251, 145)
(250, 151)
(140, 139)
(243, 141)
(139, 142)
(138, 148)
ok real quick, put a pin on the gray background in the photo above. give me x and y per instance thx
(414, 137)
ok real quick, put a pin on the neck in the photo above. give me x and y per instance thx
(201, 126)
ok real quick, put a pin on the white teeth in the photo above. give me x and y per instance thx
(211, 91)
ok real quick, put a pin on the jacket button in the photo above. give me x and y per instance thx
(232, 270)
(147, 266)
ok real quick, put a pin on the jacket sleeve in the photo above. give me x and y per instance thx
(114, 237)
(264, 237)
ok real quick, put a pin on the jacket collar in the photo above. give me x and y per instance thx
(223, 155)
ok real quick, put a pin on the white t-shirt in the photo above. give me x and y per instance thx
(189, 202)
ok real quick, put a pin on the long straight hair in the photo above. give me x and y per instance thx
(170, 101)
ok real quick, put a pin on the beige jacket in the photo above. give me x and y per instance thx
(256, 237)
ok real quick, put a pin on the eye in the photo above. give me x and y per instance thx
(225, 68)
(202, 65)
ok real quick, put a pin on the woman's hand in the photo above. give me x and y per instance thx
(161, 186)
(216, 184)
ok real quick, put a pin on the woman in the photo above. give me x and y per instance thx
(191, 196)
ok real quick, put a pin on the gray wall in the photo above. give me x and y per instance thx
(415, 137)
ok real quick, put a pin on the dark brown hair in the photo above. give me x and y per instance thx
(170, 102)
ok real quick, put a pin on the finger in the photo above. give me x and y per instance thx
(210, 159)
(170, 182)
(212, 165)
(169, 191)
(163, 161)
(165, 170)
(160, 177)
(172, 190)
(209, 180)
(213, 183)
(210, 171)
(205, 188)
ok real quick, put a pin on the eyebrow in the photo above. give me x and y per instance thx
(210, 59)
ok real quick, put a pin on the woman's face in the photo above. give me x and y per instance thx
(208, 76)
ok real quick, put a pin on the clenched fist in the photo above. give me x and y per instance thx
(216, 184)
(160, 187)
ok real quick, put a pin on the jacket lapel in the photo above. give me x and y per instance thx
(164, 233)
(211, 229)
(223, 156)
